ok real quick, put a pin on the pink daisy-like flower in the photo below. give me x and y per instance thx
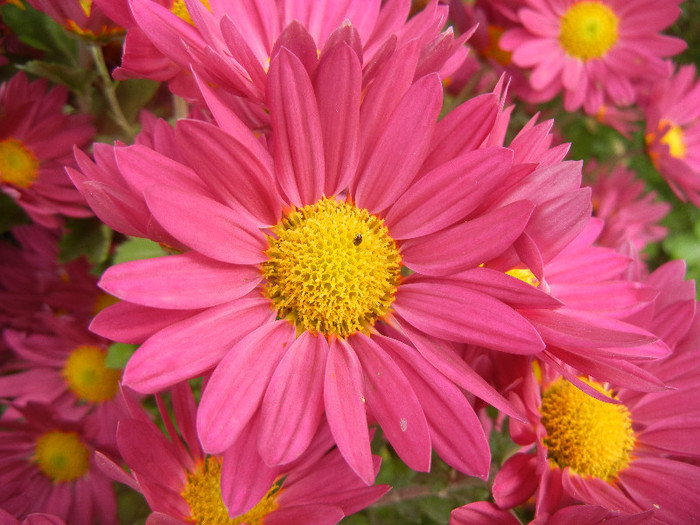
(36, 141)
(631, 456)
(230, 44)
(314, 232)
(594, 51)
(81, 17)
(631, 214)
(183, 485)
(46, 466)
(66, 369)
(673, 132)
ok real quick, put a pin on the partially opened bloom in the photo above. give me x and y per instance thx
(307, 265)
(183, 485)
(46, 466)
(632, 455)
(673, 132)
(36, 141)
(593, 51)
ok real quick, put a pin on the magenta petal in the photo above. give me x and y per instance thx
(235, 165)
(193, 346)
(245, 478)
(238, 383)
(462, 443)
(677, 435)
(299, 158)
(401, 148)
(207, 226)
(516, 481)
(482, 513)
(456, 313)
(340, 115)
(448, 193)
(293, 404)
(179, 282)
(316, 514)
(391, 400)
(468, 244)
(343, 394)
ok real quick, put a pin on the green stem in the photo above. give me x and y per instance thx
(111, 94)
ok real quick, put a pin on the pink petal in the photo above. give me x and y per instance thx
(344, 399)
(293, 404)
(393, 403)
(316, 514)
(193, 346)
(516, 481)
(181, 282)
(237, 386)
(468, 244)
(299, 158)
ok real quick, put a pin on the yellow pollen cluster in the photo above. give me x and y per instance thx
(674, 138)
(525, 275)
(61, 456)
(179, 9)
(18, 164)
(588, 29)
(87, 6)
(88, 377)
(332, 268)
(203, 495)
(591, 437)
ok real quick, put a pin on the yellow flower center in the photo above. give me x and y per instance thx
(179, 9)
(87, 6)
(332, 268)
(203, 495)
(591, 437)
(494, 50)
(18, 164)
(525, 275)
(588, 30)
(88, 377)
(61, 456)
(674, 138)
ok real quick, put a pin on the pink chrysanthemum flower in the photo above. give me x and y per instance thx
(36, 518)
(183, 485)
(634, 455)
(315, 231)
(81, 17)
(66, 369)
(594, 51)
(631, 214)
(46, 466)
(36, 141)
(673, 132)
(230, 44)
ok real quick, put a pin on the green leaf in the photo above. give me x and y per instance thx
(11, 213)
(136, 248)
(40, 31)
(88, 237)
(77, 80)
(133, 94)
(118, 354)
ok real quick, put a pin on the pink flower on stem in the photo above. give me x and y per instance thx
(36, 141)
(673, 132)
(81, 17)
(184, 485)
(593, 51)
(307, 233)
(46, 466)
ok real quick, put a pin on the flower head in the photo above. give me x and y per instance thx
(81, 17)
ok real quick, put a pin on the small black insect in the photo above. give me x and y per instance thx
(357, 239)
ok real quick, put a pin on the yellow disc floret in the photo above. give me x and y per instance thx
(18, 164)
(590, 436)
(179, 9)
(88, 377)
(588, 30)
(61, 456)
(494, 49)
(674, 138)
(332, 268)
(525, 275)
(203, 495)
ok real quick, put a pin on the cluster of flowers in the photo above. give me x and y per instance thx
(345, 263)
